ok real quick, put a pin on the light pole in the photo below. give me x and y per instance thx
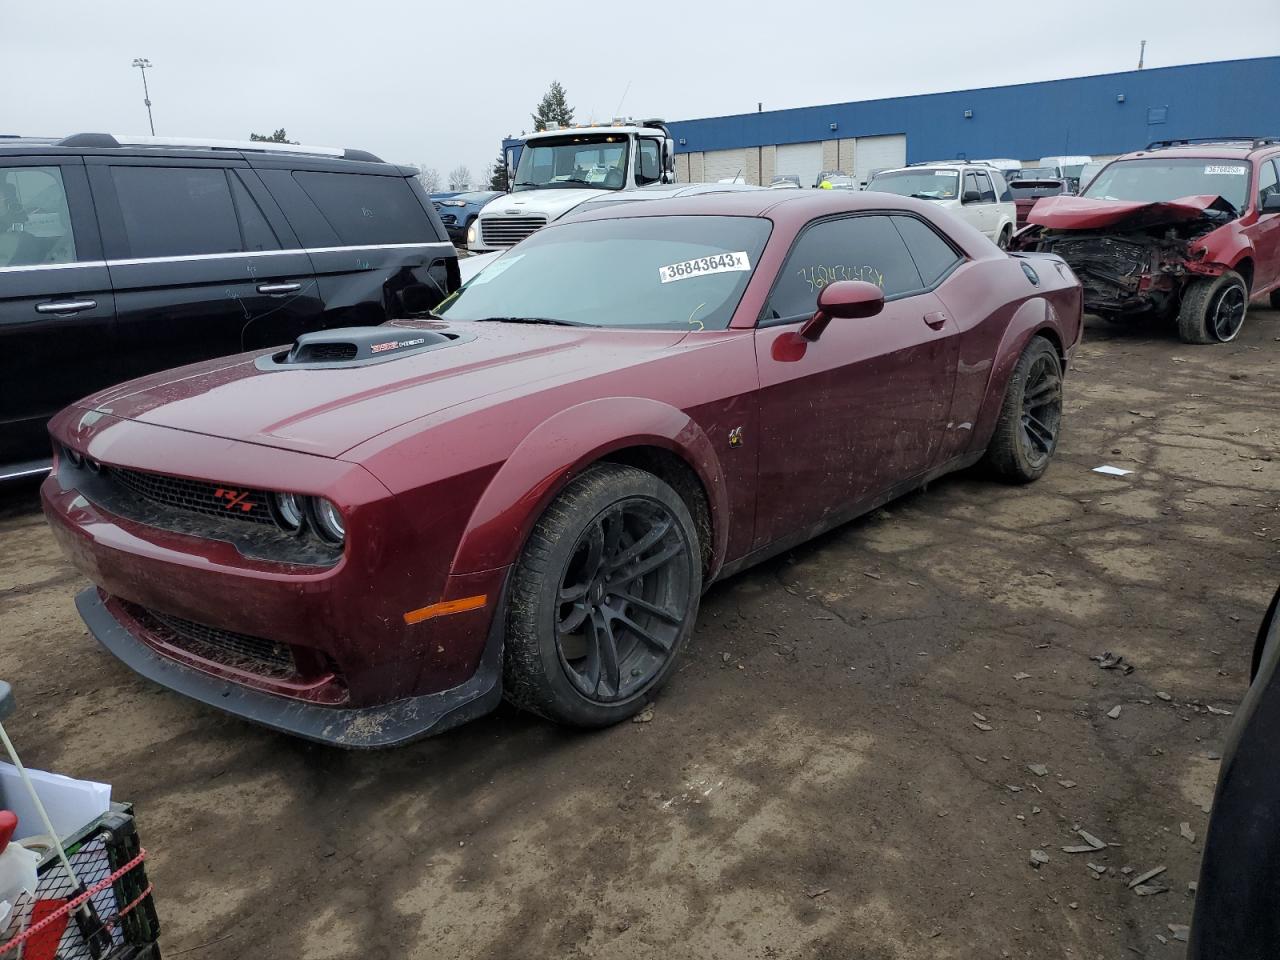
(142, 63)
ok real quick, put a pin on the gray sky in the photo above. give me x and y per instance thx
(438, 85)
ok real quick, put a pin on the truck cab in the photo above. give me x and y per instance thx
(560, 167)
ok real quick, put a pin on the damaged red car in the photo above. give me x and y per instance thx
(1184, 230)
(377, 533)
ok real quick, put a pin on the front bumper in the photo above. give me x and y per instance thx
(385, 725)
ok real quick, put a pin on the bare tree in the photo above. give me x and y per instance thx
(459, 177)
(429, 177)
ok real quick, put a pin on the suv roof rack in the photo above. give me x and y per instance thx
(938, 163)
(1253, 142)
(108, 140)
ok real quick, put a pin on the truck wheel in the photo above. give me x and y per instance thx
(1213, 309)
(1026, 434)
(603, 598)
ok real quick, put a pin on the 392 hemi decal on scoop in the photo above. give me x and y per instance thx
(395, 345)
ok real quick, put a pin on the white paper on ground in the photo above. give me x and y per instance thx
(70, 803)
(1112, 471)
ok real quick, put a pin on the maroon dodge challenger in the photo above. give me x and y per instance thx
(377, 533)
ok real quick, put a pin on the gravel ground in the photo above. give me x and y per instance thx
(868, 738)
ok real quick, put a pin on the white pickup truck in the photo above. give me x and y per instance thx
(560, 167)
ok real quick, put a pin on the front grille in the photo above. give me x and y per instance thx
(225, 647)
(508, 231)
(211, 499)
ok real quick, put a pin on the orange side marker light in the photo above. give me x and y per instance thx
(444, 608)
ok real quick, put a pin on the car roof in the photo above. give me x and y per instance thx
(1224, 150)
(793, 207)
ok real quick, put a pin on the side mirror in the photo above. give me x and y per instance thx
(668, 161)
(847, 299)
(1272, 203)
(970, 196)
(511, 169)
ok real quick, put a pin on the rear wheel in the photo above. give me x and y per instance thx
(1026, 434)
(603, 598)
(1213, 309)
(1275, 299)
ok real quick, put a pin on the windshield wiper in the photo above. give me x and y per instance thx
(547, 320)
(526, 183)
(923, 196)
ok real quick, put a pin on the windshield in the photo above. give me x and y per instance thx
(598, 161)
(925, 184)
(1154, 179)
(1022, 189)
(656, 273)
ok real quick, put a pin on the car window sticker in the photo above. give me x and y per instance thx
(700, 266)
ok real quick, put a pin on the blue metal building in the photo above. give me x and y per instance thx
(1101, 116)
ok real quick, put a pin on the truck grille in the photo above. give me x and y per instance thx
(508, 231)
(224, 647)
(212, 499)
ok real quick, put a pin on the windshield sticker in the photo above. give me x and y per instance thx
(495, 269)
(1223, 169)
(700, 266)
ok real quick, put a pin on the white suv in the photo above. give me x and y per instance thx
(974, 192)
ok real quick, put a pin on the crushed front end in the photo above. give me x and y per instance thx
(1129, 266)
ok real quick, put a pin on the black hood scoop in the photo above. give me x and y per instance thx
(357, 347)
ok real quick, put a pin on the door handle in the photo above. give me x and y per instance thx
(279, 287)
(936, 320)
(66, 306)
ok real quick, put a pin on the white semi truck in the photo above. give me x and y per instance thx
(560, 167)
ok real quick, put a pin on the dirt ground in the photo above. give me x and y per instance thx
(841, 769)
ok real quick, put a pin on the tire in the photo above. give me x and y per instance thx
(1213, 309)
(1275, 299)
(571, 606)
(1005, 236)
(1026, 434)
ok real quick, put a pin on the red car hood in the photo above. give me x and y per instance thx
(328, 411)
(1085, 213)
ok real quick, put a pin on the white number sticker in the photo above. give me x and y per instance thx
(700, 266)
(1225, 170)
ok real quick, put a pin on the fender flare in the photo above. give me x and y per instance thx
(1033, 317)
(564, 445)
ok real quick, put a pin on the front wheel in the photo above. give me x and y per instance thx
(1213, 309)
(1026, 434)
(603, 598)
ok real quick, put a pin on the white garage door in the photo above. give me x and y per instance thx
(879, 153)
(803, 160)
(723, 164)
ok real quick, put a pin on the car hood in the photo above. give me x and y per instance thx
(327, 410)
(552, 203)
(1085, 213)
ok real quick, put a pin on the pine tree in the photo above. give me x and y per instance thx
(278, 137)
(553, 108)
(498, 175)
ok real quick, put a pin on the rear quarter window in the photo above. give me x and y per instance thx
(365, 209)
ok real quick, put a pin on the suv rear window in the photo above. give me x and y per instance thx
(366, 209)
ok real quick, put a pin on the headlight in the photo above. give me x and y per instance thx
(286, 510)
(471, 234)
(453, 203)
(328, 520)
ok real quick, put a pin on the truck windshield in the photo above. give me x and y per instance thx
(598, 162)
(656, 273)
(1155, 179)
(925, 184)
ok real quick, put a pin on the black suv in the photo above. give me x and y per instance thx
(120, 258)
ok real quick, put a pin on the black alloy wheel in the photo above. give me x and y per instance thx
(623, 597)
(1041, 410)
(1226, 315)
(603, 598)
